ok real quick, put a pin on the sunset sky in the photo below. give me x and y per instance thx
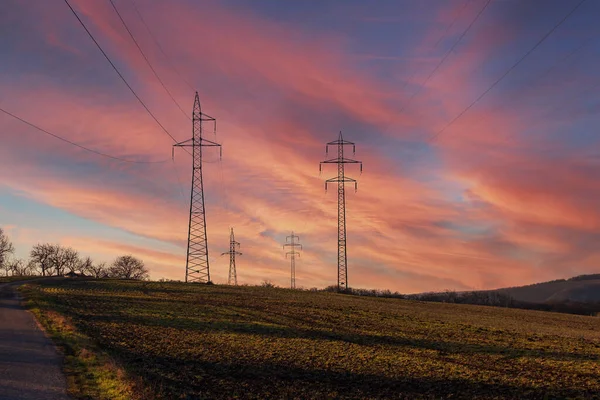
(454, 195)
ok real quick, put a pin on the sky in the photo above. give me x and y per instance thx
(476, 121)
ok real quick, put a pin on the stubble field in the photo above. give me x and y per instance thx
(222, 342)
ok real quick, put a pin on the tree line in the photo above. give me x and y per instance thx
(48, 259)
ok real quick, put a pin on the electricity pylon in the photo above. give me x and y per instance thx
(293, 253)
(233, 246)
(196, 265)
(341, 180)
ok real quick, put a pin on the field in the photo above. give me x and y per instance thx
(8, 279)
(221, 342)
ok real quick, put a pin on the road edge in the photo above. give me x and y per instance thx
(90, 372)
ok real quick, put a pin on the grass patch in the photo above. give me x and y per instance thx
(90, 372)
(223, 342)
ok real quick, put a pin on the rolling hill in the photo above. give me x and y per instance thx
(582, 289)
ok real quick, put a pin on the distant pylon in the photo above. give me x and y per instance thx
(293, 253)
(196, 266)
(341, 179)
(233, 246)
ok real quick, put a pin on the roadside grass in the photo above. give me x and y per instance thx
(8, 279)
(90, 372)
(223, 342)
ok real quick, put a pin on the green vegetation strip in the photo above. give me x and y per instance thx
(190, 341)
(90, 372)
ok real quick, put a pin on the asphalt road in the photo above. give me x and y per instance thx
(30, 366)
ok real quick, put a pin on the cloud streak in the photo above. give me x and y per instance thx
(496, 201)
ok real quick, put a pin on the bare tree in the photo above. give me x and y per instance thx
(33, 268)
(6, 249)
(84, 265)
(98, 270)
(54, 259)
(18, 267)
(128, 267)
(58, 258)
(42, 258)
(70, 259)
(6, 267)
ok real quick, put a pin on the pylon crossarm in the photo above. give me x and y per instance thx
(337, 180)
(185, 143)
(340, 142)
(209, 143)
(340, 161)
(204, 117)
(348, 161)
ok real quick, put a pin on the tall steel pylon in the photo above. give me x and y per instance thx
(293, 253)
(233, 246)
(196, 266)
(341, 180)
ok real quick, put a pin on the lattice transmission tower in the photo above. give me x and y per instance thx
(341, 180)
(233, 251)
(196, 266)
(292, 253)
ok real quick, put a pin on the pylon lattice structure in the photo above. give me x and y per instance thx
(233, 251)
(341, 180)
(196, 266)
(292, 253)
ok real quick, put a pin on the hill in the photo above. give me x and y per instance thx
(584, 288)
(220, 342)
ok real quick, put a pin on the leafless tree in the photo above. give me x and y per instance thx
(18, 267)
(54, 259)
(6, 249)
(42, 258)
(70, 259)
(59, 258)
(6, 267)
(128, 267)
(98, 270)
(84, 265)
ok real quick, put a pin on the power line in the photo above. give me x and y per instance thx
(507, 71)
(458, 14)
(539, 77)
(160, 47)
(119, 73)
(99, 153)
(437, 43)
(148, 61)
(445, 57)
